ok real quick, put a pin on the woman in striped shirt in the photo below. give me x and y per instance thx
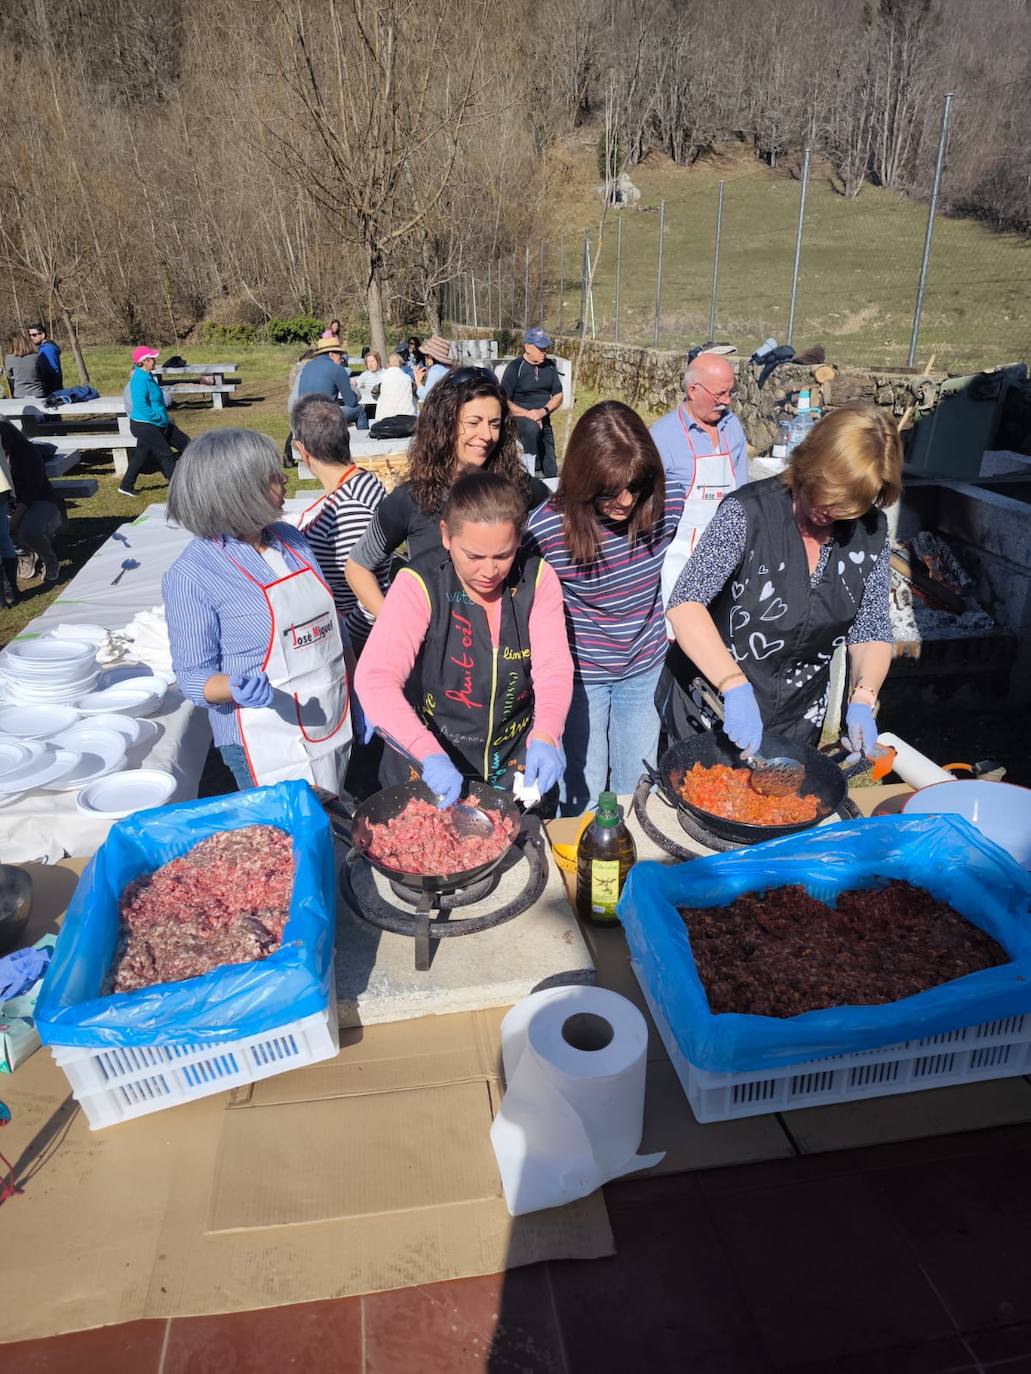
(605, 532)
(337, 520)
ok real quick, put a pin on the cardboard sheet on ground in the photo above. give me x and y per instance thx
(370, 1171)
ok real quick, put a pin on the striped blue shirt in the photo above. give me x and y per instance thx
(614, 615)
(218, 620)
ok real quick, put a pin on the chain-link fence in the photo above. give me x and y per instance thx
(790, 257)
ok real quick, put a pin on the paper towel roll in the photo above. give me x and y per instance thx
(912, 766)
(572, 1114)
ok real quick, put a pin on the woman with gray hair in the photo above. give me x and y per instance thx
(255, 636)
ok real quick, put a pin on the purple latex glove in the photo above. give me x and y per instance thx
(442, 778)
(18, 971)
(741, 719)
(251, 689)
(861, 728)
(544, 765)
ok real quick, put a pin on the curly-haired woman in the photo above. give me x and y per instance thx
(464, 424)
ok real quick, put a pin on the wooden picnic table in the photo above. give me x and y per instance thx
(192, 385)
(40, 422)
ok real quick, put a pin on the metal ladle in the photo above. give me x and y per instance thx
(777, 777)
(469, 821)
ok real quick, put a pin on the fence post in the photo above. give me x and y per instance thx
(526, 289)
(562, 284)
(515, 286)
(619, 269)
(584, 269)
(542, 285)
(931, 209)
(501, 307)
(798, 244)
(658, 273)
(472, 282)
(716, 262)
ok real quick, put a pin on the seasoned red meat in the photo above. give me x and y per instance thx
(224, 902)
(422, 839)
(781, 952)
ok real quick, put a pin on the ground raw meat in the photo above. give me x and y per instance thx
(728, 792)
(224, 902)
(423, 839)
(780, 952)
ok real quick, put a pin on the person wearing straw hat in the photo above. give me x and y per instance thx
(158, 440)
(438, 350)
(534, 390)
(325, 374)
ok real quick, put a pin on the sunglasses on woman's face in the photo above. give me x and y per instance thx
(635, 488)
(468, 374)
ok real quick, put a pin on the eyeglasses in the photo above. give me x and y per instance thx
(721, 398)
(468, 374)
(635, 488)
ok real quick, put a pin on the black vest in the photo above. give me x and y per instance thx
(477, 700)
(781, 629)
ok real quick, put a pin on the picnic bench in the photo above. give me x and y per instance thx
(82, 419)
(200, 379)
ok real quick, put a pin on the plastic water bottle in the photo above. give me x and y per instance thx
(803, 421)
(782, 443)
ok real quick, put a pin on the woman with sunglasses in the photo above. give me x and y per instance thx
(464, 424)
(467, 671)
(787, 570)
(606, 532)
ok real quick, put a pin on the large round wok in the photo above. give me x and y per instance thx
(391, 801)
(823, 780)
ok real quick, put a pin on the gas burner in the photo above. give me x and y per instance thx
(847, 811)
(427, 917)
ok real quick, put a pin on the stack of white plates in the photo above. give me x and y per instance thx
(47, 670)
(96, 751)
(25, 764)
(136, 697)
(126, 793)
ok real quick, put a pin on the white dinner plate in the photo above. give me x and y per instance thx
(131, 730)
(122, 794)
(36, 722)
(106, 747)
(12, 756)
(35, 750)
(55, 763)
(82, 768)
(123, 699)
(46, 653)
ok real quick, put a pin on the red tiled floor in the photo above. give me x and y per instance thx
(501, 1322)
(134, 1348)
(309, 1337)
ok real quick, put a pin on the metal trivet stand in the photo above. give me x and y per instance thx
(847, 811)
(429, 915)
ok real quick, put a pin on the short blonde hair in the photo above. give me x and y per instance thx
(393, 360)
(849, 461)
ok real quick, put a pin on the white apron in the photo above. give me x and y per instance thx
(305, 732)
(712, 479)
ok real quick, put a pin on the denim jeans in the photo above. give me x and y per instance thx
(610, 729)
(355, 415)
(7, 549)
(236, 761)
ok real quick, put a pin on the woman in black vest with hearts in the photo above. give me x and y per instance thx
(787, 570)
(467, 669)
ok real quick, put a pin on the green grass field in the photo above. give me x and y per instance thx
(858, 270)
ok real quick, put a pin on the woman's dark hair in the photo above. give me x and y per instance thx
(431, 455)
(15, 445)
(484, 498)
(609, 449)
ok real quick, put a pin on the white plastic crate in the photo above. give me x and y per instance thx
(995, 1049)
(122, 1081)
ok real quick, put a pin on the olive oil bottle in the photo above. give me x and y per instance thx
(604, 857)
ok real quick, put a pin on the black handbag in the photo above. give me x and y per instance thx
(393, 427)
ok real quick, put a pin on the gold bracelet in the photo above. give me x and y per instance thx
(730, 678)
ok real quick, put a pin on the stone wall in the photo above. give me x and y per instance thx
(652, 380)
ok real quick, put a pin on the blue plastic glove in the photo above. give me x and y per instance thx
(442, 778)
(861, 727)
(251, 689)
(544, 765)
(741, 719)
(361, 730)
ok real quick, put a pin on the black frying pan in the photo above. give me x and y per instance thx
(823, 779)
(391, 801)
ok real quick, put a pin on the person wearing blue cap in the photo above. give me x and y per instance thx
(534, 390)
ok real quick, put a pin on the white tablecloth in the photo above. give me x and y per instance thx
(122, 577)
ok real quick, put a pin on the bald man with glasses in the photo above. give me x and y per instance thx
(702, 446)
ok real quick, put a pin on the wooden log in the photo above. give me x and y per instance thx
(823, 373)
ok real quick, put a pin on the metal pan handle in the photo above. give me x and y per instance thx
(641, 794)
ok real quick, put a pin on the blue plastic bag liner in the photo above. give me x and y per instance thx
(229, 1003)
(944, 854)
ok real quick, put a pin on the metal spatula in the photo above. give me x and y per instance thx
(775, 777)
(468, 820)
